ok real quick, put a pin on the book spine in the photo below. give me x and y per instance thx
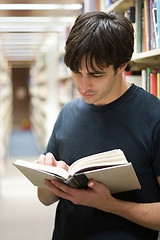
(155, 27)
(139, 6)
(149, 24)
(153, 83)
(82, 180)
(158, 84)
(77, 181)
(72, 182)
(158, 21)
(146, 33)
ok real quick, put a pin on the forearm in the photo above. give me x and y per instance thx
(147, 215)
(46, 196)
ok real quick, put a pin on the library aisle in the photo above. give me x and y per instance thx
(22, 216)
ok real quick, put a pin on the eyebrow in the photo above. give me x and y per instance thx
(97, 72)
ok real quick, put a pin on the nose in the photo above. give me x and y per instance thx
(85, 84)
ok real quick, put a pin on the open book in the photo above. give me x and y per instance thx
(110, 168)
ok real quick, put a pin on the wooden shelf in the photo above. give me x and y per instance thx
(121, 6)
(146, 59)
(141, 60)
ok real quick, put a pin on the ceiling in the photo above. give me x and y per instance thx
(25, 28)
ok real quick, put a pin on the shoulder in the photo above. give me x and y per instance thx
(148, 100)
(148, 107)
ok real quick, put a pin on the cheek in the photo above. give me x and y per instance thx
(75, 78)
(76, 82)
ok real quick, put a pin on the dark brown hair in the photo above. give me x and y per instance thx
(106, 37)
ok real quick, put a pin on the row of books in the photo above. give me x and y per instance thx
(152, 79)
(147, 25)
(149, 79)
(145, 15)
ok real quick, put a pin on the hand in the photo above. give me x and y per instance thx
(50, 160)
(97, 195)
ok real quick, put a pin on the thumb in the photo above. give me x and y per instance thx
(97, 186)
(92, 184)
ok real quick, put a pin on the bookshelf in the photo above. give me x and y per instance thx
(44, 92)
(146, 55)
(5, 109)
(118, 6)
(146, 59)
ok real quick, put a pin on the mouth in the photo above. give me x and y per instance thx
(87, 94)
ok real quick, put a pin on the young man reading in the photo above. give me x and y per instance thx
(111, 114)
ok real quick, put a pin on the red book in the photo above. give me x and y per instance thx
(153, 83)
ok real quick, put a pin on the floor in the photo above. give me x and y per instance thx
(22, 216)
(22, 143)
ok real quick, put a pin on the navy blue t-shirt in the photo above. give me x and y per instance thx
(130, 123)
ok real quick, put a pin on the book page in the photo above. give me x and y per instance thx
(109, 158)
(24, 165)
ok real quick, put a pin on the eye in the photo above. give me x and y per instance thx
(97, 75)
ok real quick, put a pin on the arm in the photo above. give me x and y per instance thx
(98, 196)
(147, 215)
(45, 196)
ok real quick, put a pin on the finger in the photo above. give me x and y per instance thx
(94, 185)
(63, 165)
(62, 186)
(50, 160)
(41, 159)
(57, 190)
(98, 187)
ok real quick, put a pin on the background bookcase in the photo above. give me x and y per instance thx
(43, 91)
(5, 109)
(146, 57)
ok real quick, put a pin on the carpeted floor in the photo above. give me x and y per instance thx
(22, 144)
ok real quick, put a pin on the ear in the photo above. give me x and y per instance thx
(122, 67)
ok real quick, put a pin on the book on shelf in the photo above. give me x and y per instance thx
(138, 16)
(158, 21)
(155, 25)
(147, 25)
(110, 168)
(153, 84)
(158, 85)
(152, 79)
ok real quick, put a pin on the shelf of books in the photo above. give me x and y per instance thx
(44, 93)
(5, 110)
(144, 14)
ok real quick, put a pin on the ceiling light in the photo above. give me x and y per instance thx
(22, 29)
(40, 6)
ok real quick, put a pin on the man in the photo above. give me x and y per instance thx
(111, 114)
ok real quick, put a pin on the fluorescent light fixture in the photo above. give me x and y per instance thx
(40, 6)
(21, 54)
(21, 43)
(36, 19)
(25, 19)
(20, 58)
(16, 36)
(23, 29)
